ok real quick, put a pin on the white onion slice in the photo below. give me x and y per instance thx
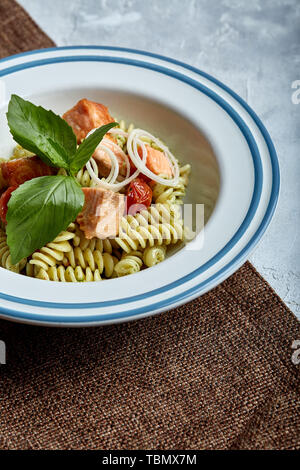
(109, 182)
(120, 151)
(134, 140)
(117, 131)
(114, 171)
(103, 183)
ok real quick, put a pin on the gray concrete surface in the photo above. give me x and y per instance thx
(252, 46)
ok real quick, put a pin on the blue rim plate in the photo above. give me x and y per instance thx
(48, 311)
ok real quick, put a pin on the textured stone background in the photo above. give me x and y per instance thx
(252, 46)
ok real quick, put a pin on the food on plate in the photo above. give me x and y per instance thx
(139, 194)
(5, 197)
(85, 116)
(16, 172)
(157, 162)
(104, 161)
(85, 198)
(101, 213)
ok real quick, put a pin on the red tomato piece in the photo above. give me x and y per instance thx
(16, 172)
(139, 196)
(5, 197)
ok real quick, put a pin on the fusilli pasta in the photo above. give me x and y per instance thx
(73, 258)
(154, 255)
(142, 242)
(53, 252)
(129, 263)
(5, 259)
(156, 225)
(172, 195)
(69, 274)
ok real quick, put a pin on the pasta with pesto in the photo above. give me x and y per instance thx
(130, 167)
(5, 259)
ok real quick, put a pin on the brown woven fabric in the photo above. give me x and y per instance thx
(216, 373)
(18, 32)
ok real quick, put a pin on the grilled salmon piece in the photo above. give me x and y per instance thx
(85, 116)
(16, 172)
(103, 160)
(157, 162)
(101, 213)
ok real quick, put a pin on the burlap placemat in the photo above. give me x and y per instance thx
(216, 373)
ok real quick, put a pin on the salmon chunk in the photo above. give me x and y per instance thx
(104, 161)
(157, 162)
(16, 172)
(101, 213)
(85, 116)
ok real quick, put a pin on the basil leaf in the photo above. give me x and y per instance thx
(41, 132)
(38, 211)
(88, 146)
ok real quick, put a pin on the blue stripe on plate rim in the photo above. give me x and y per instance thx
(252, 209)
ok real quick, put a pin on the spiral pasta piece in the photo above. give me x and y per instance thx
(172, 195)
(5, 258)
(69, 274)
(90, 268)
(121, 139)
(105, 245)
(94, 260)
(168, 195)
(129, 264)
(82, 176)
(155, 226)
(143, 239)
(73, 258)
(53, 252)
(154, 255)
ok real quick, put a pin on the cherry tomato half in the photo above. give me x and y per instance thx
(139, 196)
(5, 197)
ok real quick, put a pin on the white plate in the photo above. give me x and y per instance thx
(235, 174)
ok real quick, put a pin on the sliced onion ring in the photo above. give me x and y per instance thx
(103, 183)
(134, 140)
(119, 150)
(114, 171)
(90, 166)
(118, 131)
(109, 182)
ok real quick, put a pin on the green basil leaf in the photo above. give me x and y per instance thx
(38, 211)
(88, 146)
(41, 132)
